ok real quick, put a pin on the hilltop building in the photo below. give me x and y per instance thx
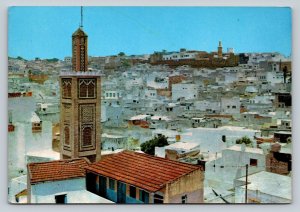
(195, 59)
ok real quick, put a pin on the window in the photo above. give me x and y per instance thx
(111, 184)
(67, 135)
(66, 88)
(61, 199)
(253, 162)
(234, 106)
(87, 88)
(114, 95)
(144, 196)
(184, 199)
(158, 198)
(132, 191)
(87, 136)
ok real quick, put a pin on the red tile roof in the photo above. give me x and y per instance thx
(141, 170)
(56, 170)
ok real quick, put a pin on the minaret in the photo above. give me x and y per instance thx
(220, 50)
(79, 49)
(80, 104)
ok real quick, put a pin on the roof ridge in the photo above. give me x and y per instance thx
(171, 165)
(162, 159)
(56, 161)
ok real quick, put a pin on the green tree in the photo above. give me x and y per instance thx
(125, 63)
(121, 54)
(149, 146)
(20, 58)
(244, 140)
(133, 143)
(52, 60)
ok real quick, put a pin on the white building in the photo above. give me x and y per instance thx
(157, 80)
(112, 94)
(60, 182)
(275, 77)
(264, 187)
(30, 135)
(230, 105)
(149, 93)
(113, 142)
(180, 55)
(16, 186)
(222, 171)
(159, 122)
(208, 106)
(68, 60)
(211, 139)
(184, 90)
(179, 148)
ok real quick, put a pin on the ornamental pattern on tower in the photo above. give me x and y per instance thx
(87, 88)
(87, 126)
(66, 88)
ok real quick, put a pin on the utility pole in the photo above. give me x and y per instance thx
(246, 189)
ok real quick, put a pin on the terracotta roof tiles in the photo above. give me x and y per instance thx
(141, 170)
(56, 170)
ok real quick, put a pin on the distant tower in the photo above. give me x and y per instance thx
(220, 50)
(80, 106)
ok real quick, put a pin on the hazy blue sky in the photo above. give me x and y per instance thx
(45, 32)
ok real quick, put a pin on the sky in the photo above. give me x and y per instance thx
(45, 32)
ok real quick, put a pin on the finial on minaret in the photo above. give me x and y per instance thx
(81, 13)
(220, 43)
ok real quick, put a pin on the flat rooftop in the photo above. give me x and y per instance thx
(270, 183)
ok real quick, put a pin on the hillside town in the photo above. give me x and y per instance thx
(185, 126)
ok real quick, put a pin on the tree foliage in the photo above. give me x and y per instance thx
(133, 143)
(244, 140)
(149, 146)
(52, 60)
(20, 58)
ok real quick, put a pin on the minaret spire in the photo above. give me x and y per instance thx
(81, 14)
(79, 48)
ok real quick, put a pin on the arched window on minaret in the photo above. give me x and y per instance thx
(87, 88)
(87, 136)
(66, 84)
(67, 135)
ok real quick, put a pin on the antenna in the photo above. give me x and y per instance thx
(81, 13)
